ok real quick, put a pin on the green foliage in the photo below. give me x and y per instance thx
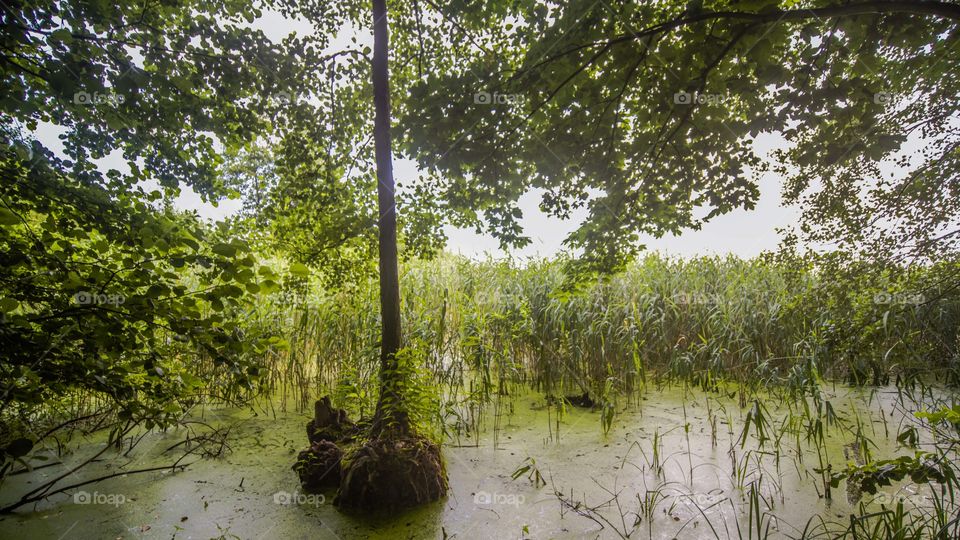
(759, 419)
(353, 392)
(949, 415)
(107, 294)
(410, 393)
(111, 299)
(792, 323)
(608, 409)
(532, 472)
(921, 468)
(300, 208)
(646, 115)
(162, 83)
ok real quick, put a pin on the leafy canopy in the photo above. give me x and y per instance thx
(646, 114)
(104, 287)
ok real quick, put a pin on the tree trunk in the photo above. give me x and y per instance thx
(390, 415)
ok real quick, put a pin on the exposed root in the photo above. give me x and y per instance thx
(319, 466)
(392, 473)
(329, 424)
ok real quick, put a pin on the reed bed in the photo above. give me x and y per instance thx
(710, 322)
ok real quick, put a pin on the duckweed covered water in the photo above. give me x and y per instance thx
(674, 464)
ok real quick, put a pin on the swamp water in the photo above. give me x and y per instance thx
(673, 465)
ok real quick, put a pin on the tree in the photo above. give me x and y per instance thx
(165, 85)
(386, 418)
(396, 467)
(319, 176)
(105, 290)
(646, 115)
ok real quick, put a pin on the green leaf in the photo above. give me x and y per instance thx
(8, 218)
(299, 270)
(225, 250)
(8, 305)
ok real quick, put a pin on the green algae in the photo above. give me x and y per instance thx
(675, 464)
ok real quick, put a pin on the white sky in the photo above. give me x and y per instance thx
(743, 233)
